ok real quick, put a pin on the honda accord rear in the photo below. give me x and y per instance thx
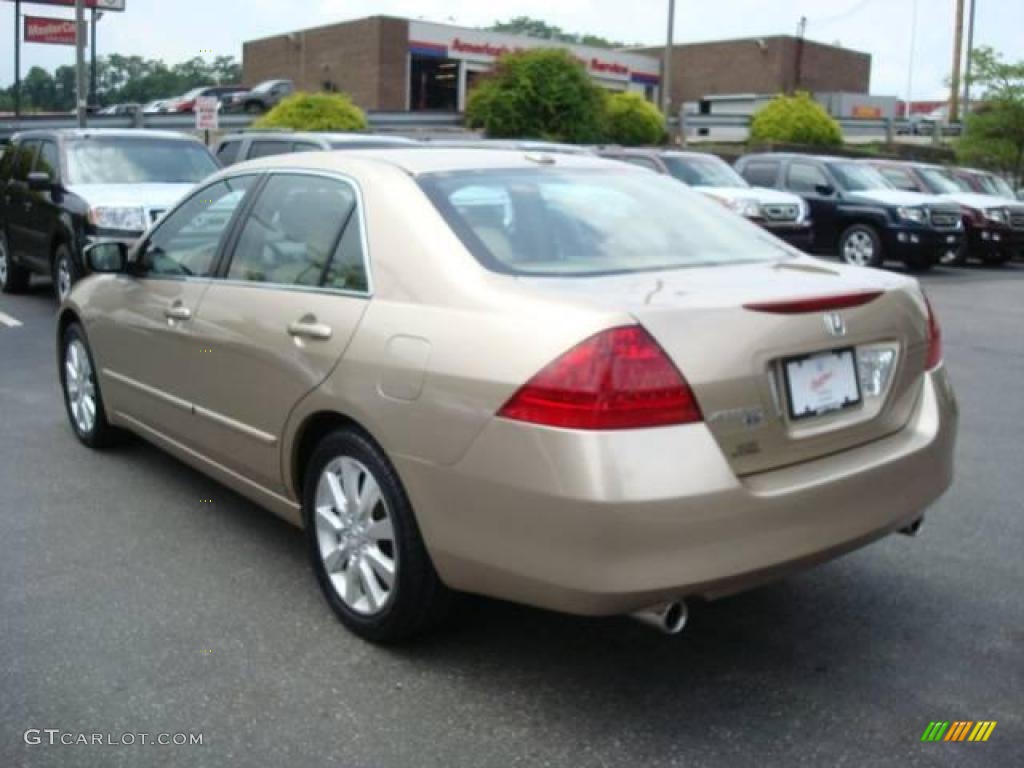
(557, 380)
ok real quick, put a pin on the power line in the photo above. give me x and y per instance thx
(840, 16)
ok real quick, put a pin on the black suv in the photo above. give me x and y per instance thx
(239, 147)
(858, 214)
(60, 189)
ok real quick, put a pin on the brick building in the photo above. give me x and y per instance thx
(765, 65)
(397, 64)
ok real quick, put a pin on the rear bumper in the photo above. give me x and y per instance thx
(606, 523)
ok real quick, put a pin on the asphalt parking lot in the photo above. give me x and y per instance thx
(138, 596)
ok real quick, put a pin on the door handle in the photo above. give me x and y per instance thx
(178, 312)
(307, 327)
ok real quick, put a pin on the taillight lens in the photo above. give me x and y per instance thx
(617, 379)
(934, 338)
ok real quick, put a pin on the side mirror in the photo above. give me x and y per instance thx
(107, 256)
(40, 181)
(825, 190)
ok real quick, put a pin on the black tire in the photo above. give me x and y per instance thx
(14, 278)
(858, 231)
(996, 257)
(101, 434)
(418, 600)
(919, 261)
(62, 259)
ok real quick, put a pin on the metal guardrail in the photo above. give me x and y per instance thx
(379, 121)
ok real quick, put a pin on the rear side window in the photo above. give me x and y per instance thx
(269, 148)
(761, 173)
(643, 162)
(227, 152)
(305, 146)
(805, 178)
(294, 235)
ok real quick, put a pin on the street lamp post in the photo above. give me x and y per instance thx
(666, 64)
(80, 88)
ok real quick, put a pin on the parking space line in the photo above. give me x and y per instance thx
(9, 321)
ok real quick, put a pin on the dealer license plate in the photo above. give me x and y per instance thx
(822, 383)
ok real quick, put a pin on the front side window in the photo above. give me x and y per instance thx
(227, 152)
(186, 242)
(855, 177)
(585, 222)
(942, 181)
(899, 178)
(24, 157)
(138, 161)
(805, 178)
(49, 159)
(293, 235)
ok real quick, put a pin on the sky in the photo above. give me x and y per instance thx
(176, 30)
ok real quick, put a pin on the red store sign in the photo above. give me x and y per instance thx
(40, 29)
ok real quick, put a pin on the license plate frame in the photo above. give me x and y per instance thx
(840, 356)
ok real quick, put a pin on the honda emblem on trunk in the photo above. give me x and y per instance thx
(834, 324)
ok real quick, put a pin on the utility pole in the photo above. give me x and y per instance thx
(910, 67)
(666, 64)
(93, 18)
(80, 92)
(970, 50)
(954, 89)
(17, 58)
(801, 30)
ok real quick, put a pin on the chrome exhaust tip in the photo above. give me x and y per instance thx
(913, 528)
(669, 618)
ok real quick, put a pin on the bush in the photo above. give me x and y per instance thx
(632, 120)
(315, 112)
(539, 94)
(795, 119)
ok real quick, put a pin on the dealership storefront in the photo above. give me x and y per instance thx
(388, 63)
(445, 61)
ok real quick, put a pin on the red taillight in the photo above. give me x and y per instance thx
(617, 379)
(934, 339)
(185, 106)
(815, 304)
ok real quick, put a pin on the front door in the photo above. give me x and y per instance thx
(18, 206)
(43, 210)
(150, 355)
(293, 293)
(809, 180)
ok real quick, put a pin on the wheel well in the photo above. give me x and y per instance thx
(315, 428)
(66, 318)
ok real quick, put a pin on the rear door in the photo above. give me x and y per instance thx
(294, 288)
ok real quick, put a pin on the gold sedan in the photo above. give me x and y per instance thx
(557, 380)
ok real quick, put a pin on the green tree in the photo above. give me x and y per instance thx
(538, 94)
(795, 119)
(38, 91)
(316, 112)
(632, 120)
(525, 25)
(994, 133)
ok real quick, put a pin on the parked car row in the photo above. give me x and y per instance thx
(60, 190)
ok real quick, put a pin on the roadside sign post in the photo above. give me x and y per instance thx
(207, 115)
(17, 58)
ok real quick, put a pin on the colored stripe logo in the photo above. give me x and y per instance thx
(958, 730)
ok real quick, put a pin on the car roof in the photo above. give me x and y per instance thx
(338, 137)
(417, 161)
(797, 156)
(107, 133)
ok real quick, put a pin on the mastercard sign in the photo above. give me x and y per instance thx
(40, 29)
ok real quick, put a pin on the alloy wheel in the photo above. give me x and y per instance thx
(81, 386)
(63, 278)
(355, 536)
(859, 249)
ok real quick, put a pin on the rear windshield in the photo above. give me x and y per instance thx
(703, 172)
(138, 161)
(570, 222)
